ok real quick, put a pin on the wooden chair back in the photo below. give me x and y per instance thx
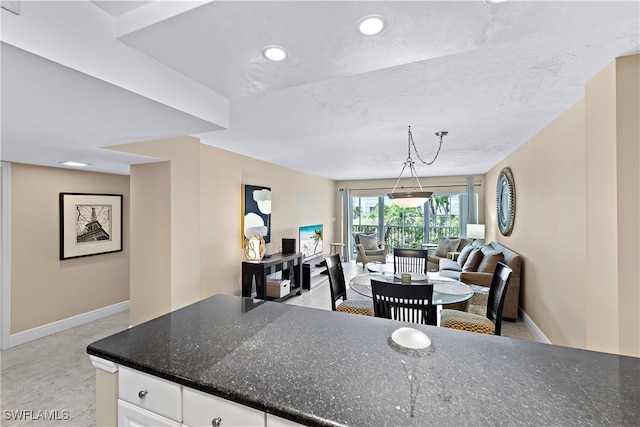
(337, 283)
(410, 260)
(497, 295)
(407, 303)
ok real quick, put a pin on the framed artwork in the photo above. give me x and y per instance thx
(256, 209)
(90, 224)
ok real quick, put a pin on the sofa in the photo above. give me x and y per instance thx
(445, 245)
(475, 266)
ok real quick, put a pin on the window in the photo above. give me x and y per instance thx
(446, 216)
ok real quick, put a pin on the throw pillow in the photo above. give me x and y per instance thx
(464, 254)
(489, 261)
(473, 261)
(446, 245)
(356, 236)
(369, 241)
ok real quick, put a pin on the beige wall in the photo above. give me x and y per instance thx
(150, 241)
(45, 289)
(577, 217)
(628, 173)
(549, 227)
(182, 222)
(613, 139)
(297, 199)
(205, 205)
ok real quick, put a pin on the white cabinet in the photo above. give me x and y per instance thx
(151, 393)
(133, 416)
(273, 421)
(202, 409)
(145, 400)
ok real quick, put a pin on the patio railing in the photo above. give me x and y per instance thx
(408, 237)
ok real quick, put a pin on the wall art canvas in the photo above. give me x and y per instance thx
(90, 224)
(256, 209)
(310, 240)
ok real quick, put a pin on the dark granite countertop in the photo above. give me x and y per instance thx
(319, 367)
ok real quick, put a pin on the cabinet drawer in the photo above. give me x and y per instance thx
(199, 409)
(151, 393)
(132, 416)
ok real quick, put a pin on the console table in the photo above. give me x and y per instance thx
(289, 264)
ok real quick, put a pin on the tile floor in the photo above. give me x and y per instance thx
(54, 373)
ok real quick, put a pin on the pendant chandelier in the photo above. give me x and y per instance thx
(417, 196)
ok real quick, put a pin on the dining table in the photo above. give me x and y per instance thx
(445, 290)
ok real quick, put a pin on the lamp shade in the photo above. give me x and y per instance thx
(255, 231)
(409, 199)
(475, 231)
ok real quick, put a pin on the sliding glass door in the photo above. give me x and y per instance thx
(365, 213)
(406, 225)
(376, 214)
(444, 215)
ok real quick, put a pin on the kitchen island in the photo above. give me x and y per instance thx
(317, 367)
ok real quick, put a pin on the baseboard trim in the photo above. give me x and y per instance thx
(64, 324)
(535, 331)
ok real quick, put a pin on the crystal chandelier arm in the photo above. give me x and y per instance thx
(440, 134)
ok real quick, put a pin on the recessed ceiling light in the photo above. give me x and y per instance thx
(492, 2)
(371, 25)
(76, 164)
(274, 53)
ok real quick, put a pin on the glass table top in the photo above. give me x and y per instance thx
(445, 290)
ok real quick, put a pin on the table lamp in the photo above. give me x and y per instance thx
(475, 231)
(254, 247)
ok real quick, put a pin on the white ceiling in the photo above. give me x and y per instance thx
(338, 107)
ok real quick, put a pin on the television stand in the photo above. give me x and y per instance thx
(314, 271)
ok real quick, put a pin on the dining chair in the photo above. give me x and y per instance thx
(407, 303)
(491, 323)
(407, 260)
(338, 290)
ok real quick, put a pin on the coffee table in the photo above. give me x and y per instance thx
(445, 290)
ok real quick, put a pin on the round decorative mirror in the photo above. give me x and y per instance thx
(506, 201)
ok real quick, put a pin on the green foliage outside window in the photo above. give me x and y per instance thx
(442, 221)
(407, 225)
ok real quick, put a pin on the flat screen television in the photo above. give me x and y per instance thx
(310, 240)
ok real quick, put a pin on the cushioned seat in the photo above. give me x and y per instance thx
(491, 322)
(456, 319)
(338, 289)
(354, 306)
(475, 266)
(445, 245)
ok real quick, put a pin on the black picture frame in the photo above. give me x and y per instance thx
(90, 224)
